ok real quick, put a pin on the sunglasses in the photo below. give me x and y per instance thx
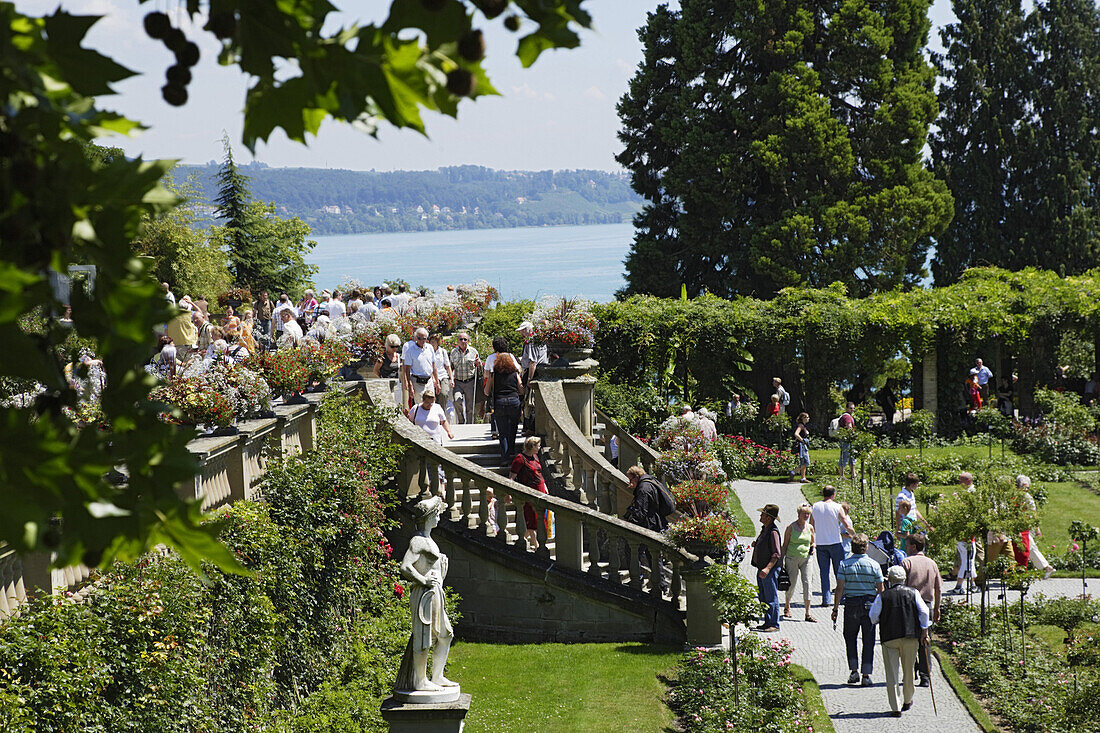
(464, 339)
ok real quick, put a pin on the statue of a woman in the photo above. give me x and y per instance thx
(425, 567)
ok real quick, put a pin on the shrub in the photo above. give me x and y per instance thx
(770, 700)
(639, 409)
(504, 318)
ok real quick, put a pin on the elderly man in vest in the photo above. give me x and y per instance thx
(903, 622)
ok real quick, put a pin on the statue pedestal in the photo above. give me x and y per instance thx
(440, 717)
(422, 697)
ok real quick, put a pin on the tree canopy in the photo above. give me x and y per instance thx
(58, 207)
(1017, 138)
(780, 145)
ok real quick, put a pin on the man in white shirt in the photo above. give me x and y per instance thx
(277, 312)
(336, 307)
(912, 481)
(826, 517)
(784, 395)
(418, 367)
(368, 309)
(168, 294)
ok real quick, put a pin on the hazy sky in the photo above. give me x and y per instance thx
(558, 114)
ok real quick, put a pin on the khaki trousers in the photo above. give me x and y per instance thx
(905, 651)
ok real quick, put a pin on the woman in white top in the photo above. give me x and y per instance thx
(445, 372)
(433, 421)
(430, 417)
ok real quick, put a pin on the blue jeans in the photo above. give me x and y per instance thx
(827, 554)
(768, 592)
(857, 620)
(846, 456)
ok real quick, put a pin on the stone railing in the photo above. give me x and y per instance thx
(593, 480)
(585, 539)
(632, 452)
(230, 469)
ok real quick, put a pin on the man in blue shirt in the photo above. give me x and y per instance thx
(981, 371)
(859, 580)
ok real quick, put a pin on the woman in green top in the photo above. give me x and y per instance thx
(798, 545)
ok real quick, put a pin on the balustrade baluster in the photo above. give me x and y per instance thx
(592, 537)
(483, 511)
(614, 559)
(467, 500)
(655, 559)
(636, 565)
(677, 585)
(540, 527)
(449, 494)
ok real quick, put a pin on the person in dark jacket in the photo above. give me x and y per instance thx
(902, 618)
(765, 557)
(645, 511)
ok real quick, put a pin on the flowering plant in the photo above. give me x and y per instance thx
(699, 498)
(242, 294)
(713, 530)
(567, 321)
(679, 433)
(282, 370)
(696, 463)
(762, 460)
(197, 403)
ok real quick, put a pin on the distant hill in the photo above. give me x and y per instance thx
(462, 197)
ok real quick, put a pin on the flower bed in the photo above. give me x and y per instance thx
(761, 460)
(769, 700)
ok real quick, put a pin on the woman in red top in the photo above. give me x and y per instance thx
(527, 469)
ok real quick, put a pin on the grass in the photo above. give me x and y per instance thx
(830, 456)
(1054, 637)
(811, 695)
(564, 687)
(740, 519)
(981, 717)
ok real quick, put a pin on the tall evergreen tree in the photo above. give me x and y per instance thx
(266, 252)
(982, 137)
(780, 144)
(1019, 136)
(1062, 182)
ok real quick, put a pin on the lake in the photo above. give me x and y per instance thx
(526, 262)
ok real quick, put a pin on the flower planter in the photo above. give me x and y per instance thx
(295, 399)
(714, 552)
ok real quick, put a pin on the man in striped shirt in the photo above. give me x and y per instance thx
(858, 581)
(465, 361)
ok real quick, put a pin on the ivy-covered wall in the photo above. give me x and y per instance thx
(702, 349)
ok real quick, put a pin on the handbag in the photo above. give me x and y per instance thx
(783, 581)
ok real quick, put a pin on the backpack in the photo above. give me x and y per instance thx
(834, 427)
(665, 503)
(785, 398)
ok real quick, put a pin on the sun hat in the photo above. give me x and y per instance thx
(771, 510)
(526, 326)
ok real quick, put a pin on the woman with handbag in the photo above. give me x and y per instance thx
(798, 545)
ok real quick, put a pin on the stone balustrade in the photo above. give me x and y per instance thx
(229, 470)
(593, 480)
(585, 539)
(632, 452)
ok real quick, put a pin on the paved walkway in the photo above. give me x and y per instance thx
(853, 709)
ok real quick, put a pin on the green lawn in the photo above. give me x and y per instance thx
(564, 687)
(740, 519)
(830, 456)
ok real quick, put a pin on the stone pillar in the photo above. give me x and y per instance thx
(703, 626)
(580, 395)
(38, 577)
(930, 382)
(443, 717)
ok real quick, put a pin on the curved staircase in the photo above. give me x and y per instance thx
(586, 582)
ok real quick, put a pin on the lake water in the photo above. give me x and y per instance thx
(527, 262)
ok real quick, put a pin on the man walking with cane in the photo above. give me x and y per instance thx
(903, 623)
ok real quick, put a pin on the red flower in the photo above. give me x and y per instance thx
(398, 590)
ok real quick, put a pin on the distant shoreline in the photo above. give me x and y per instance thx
(475, 229)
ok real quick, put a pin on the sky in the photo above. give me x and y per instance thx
(558, 114)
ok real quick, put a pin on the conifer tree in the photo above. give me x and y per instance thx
(266, 252)
(982, 134)
(780, 144)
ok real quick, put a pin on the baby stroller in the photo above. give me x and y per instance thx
(882, 550)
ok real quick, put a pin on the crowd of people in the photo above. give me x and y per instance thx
(878, 584)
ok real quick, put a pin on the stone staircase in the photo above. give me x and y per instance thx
(586, 581)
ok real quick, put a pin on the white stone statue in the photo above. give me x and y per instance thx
(425, 567)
